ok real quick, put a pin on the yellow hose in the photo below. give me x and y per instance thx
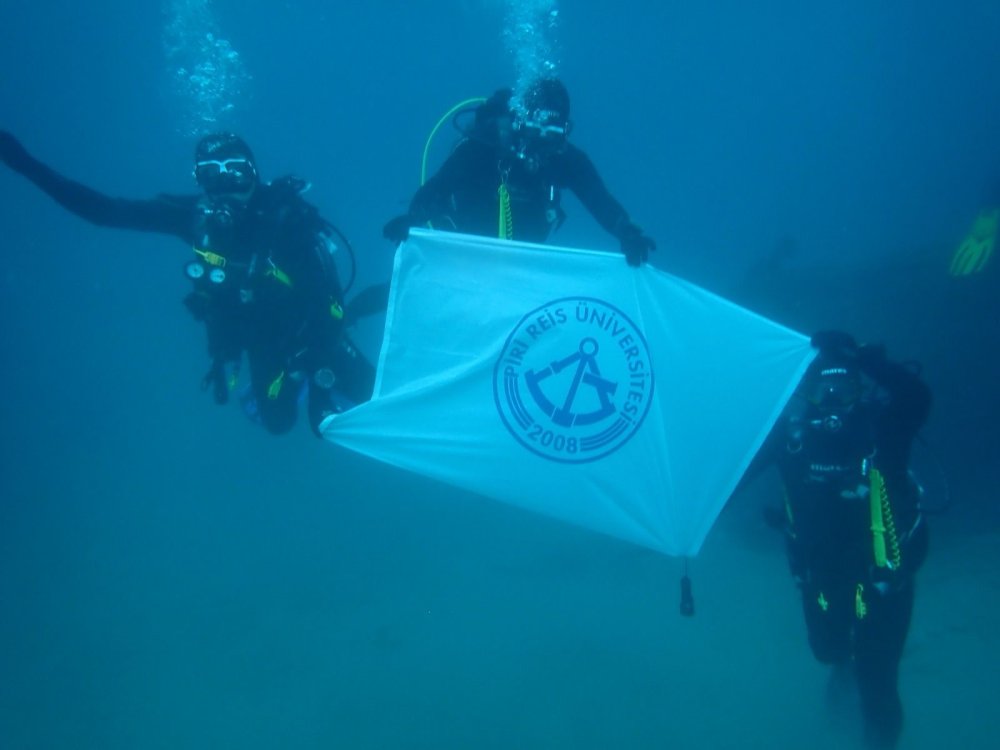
(444, 118)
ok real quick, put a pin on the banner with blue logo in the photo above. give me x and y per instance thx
(563, 381)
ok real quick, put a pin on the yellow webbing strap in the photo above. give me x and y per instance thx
(336, 310)
(860, 608)
(878, 527)
(506, 223)
(883, 524)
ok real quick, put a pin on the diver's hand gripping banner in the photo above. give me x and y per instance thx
(565, 382)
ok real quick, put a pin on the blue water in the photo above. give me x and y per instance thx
(171, 576)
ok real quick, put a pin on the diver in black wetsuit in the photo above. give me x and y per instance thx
(504, 179)
(265, 284)
(855, 535)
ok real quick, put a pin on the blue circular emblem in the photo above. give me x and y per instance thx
(574, 380)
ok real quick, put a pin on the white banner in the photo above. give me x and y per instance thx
(563, 381)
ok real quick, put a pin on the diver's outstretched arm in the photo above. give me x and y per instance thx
(162, 214)
(582, 178)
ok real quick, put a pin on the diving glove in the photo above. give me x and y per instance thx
(398, 229)
(636, 246)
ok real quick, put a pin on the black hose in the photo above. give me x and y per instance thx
(350, 254)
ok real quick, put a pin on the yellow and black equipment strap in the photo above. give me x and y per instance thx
(885, 540)
(213, 259)
(505, 229)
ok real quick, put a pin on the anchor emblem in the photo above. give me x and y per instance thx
(587, 373)
(573, 381)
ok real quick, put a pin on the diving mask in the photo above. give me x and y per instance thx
(834, 389)
(226, 176)
(544, 124)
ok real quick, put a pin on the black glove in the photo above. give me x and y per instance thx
(835, 343)
(635, 245)
(398, 229)
(12, 153)
(216, 379)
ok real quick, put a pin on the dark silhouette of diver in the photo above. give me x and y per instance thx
(264, 280)
(854, 532)
(504, 179)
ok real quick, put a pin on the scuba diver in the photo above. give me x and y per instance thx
(263, 275)
(504, 178)
(854, 532)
